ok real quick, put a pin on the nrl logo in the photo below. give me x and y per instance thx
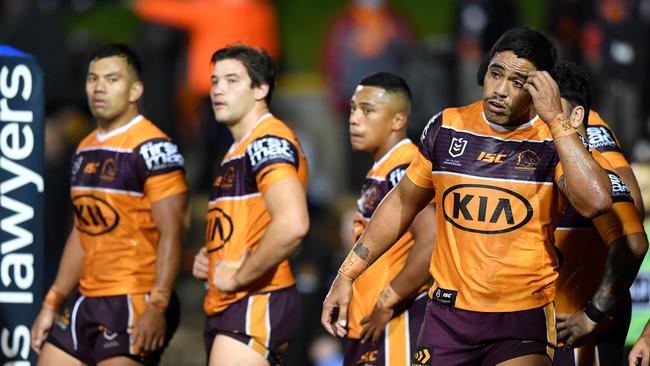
(457, 147)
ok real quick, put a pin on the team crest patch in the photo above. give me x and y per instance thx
(527, 160)
(422, 357)
(457, 147)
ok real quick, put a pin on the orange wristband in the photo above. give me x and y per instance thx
(560, 126)
(54, 299)
(388, 298)
(353, 266)
(159, 298)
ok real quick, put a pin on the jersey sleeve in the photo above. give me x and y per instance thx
(272, 159)
(623, 219)
(604, 140)
(419, 172)
(160, 168)
(395, 175)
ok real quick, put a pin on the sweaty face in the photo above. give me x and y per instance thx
(231, 93)
(371, 114)
(505, 101)
(110, 87)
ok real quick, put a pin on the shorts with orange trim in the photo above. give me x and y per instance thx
(92, 329)
(266, 322)
(450, 336)
(396, 345)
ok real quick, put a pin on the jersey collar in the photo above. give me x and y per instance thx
(500, 128)
(387, 154)
(257, 123)
(101, 137)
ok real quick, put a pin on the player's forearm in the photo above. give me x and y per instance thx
(621, 267)
(416, 270)
(391, 219)
(412, 277)
(280, 241)
(67, 277)
(168, 259)
(630, 181)
(585, 183)
(171, 218)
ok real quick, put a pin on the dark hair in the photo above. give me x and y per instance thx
(257, 62)
(121, 50)
(574, 85)
(525, 43)
(389, 82)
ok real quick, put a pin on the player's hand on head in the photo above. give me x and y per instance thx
(545, 94)
(640, 353)
(374, 324)
(200, 266)
(334, 317)
(149, 331)
(41, 328)
(573, 328)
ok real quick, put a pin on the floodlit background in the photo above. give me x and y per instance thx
(323, 48)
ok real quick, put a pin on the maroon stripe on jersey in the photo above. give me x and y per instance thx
(107, 169)
(620, 193)
(572, 219)
(489, 157)
(234, 179)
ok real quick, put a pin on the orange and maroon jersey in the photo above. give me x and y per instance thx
(497, 207)
(115, 178)
(603, 139)
(583, 244)
(237, 215)
(384, 175)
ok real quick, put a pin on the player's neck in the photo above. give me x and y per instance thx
(245, 125)
(107, 125)
(390, 142)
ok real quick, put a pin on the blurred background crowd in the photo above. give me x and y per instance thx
(323, 48)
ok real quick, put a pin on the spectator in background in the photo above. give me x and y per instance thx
(368, 36)
(615, 47)
(214, 24)
(478, 25)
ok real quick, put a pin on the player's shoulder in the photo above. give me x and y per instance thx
(601, 159)
(275, 127)
(473, 110)
(405, 150)
(596, 120)
(88, 140)
(145, 131)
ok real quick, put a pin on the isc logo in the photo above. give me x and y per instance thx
(491, 158)
(94, 216)
(370, 356)
(485, 209)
